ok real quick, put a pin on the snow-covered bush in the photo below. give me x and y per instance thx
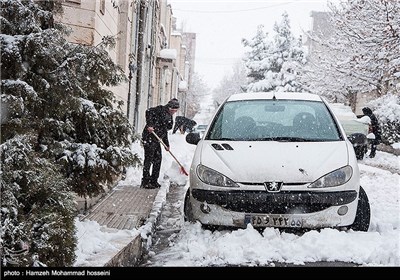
(387, 110)
(37, 207)
(64, 127)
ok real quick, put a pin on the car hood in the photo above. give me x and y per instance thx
(257, 162)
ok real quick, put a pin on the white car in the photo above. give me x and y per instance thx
(275, 160)
(200, 128)
(356, 128)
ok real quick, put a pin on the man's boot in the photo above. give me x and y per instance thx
(373, 151)
(372, 155)
(155, 184)
(145, 183)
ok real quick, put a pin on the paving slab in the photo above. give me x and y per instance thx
(125, 207)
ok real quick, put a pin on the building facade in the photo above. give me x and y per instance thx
(151, 52)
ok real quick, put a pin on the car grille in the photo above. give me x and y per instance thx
(274, 203)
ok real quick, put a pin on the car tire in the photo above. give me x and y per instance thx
(187, 208)
(363, 213)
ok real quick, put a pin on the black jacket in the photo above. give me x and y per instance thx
(375, 128)
(161, 120)
(187, 123)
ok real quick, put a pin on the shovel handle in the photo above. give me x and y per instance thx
(167, 148)
(161, 141)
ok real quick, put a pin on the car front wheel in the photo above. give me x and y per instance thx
(187, 208)
(363, 213)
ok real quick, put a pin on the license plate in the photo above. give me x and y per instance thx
(273, 221)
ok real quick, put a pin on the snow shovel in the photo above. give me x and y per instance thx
(182, 169)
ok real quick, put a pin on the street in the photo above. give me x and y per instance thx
(172, 230)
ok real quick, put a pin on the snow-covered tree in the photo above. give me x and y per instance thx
(61, 132)
(258, 51)
(231, 83)
(275, 65)
(361, 54)
(197, 89)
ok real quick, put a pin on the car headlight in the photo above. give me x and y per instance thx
(333, 179)
(212, 177)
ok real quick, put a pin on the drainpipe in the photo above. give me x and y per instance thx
(141, 54)
(132, 69)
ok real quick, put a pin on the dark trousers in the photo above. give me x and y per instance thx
(152, 160)
(374, 144)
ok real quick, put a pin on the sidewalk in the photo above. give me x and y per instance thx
(129, 207)
(127, 215)
(388, 149)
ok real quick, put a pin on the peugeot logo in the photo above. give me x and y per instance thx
(273, 186)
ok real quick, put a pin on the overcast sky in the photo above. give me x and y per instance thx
(220, 26)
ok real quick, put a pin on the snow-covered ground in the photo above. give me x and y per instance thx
(195, 246)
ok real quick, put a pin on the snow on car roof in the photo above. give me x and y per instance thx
(278, 95)
(343, 111)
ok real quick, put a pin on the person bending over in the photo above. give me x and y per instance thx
(158, 120)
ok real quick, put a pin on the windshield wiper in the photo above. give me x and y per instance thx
(224, 139)
(263, 139)
(291, 139)
(279, 139)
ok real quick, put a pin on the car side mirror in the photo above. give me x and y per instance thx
(193, 138)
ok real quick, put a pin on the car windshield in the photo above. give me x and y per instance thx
(274, 120)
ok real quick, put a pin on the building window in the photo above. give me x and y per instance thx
(103, 6)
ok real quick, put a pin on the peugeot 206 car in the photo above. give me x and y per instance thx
(275, 160)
